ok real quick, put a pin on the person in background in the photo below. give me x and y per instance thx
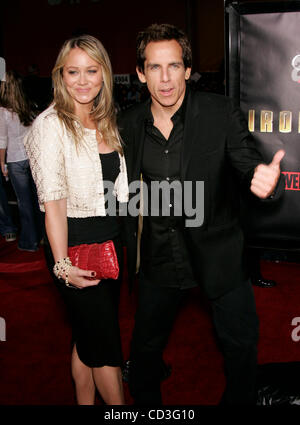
(74, 147)
(15, 120)
(181, 136)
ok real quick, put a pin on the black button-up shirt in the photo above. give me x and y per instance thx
(164, 256)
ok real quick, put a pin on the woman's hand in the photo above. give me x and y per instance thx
(81, 278)
(4, 169)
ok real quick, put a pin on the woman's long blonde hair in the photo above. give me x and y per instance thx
(103, 112)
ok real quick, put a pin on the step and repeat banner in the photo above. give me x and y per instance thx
(263, 76)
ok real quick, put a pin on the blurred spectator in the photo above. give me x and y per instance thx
(126, 95)
(15, 120)
(133, 95)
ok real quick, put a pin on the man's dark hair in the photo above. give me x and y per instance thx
(162, 32)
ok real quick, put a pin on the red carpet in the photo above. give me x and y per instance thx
(35, 357)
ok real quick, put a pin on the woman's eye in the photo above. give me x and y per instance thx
(90, 71)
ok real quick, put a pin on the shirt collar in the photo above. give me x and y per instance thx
(180, 113)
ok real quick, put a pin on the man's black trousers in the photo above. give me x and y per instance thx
(236, 324)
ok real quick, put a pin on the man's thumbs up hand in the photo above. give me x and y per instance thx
(265, 176)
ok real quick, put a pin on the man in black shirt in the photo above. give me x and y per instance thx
(181, 137)
(164, 257)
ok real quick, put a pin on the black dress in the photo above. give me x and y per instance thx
(94, 310)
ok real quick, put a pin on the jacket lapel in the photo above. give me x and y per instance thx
(139, 139)
(133, 133)
(191, 132)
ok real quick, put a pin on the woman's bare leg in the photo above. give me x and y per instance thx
(84, 382)
(109, 383)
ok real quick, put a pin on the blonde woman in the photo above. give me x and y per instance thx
(73, 147)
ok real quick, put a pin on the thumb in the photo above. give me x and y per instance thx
(277, 158)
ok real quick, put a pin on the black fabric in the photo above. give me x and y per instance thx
(154, 319)
(92, 229)
(237, 329)
(236, 325)
(164, 255)
(110, 163)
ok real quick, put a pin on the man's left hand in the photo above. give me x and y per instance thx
(265, 176)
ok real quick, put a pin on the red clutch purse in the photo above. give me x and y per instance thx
(98, 257)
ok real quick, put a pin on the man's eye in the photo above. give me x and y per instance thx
(154, 67)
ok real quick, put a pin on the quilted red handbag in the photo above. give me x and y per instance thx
(98, 257)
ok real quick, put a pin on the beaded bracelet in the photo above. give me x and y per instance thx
(62, 266)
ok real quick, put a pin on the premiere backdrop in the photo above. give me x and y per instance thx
(263, 75)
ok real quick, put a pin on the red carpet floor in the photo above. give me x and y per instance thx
(35, 355)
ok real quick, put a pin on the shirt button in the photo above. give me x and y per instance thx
(172, 229)
(168, 178)
(166, 151)
(170, 205)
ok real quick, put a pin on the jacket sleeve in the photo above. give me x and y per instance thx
(244, 156)
(240, 145)
(44, 148)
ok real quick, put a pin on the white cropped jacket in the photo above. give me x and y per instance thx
(62, 170)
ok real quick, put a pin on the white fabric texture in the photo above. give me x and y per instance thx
(61, 170)
(12, 133)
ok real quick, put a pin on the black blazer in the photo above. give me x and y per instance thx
(218, 150)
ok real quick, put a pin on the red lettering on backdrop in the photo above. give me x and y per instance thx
(292, 180)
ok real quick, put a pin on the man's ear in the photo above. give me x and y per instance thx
(187, 73)
(141, 75)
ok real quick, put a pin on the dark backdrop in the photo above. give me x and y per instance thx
(34, 30)
(263, 51)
